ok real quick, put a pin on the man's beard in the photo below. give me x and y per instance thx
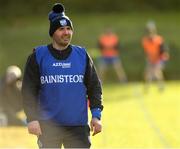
(64, 44)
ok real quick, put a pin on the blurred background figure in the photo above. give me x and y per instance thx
(156, 53)
(10, 96)
(108, 43)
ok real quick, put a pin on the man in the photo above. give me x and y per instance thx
(156, 54)
(109, 47)
(58, 80)
(10, 96)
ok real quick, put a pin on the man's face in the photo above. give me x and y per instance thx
(62, 36)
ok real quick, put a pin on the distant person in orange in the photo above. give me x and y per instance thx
(108, 43)
(156, 55)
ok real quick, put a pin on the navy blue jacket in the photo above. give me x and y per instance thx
(84, 74)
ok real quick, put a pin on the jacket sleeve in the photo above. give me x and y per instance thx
(93, 85)
(30, 88)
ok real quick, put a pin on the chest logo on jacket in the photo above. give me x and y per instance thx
(62, 65)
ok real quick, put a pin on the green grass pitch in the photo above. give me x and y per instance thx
(131, 119)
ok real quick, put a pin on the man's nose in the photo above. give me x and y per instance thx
(66, 31)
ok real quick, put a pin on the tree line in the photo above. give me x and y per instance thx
(12, 7)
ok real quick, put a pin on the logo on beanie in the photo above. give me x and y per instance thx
(63, 22)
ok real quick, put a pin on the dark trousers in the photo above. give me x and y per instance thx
(54, 136)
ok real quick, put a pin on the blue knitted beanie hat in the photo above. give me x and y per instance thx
(58, 18)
